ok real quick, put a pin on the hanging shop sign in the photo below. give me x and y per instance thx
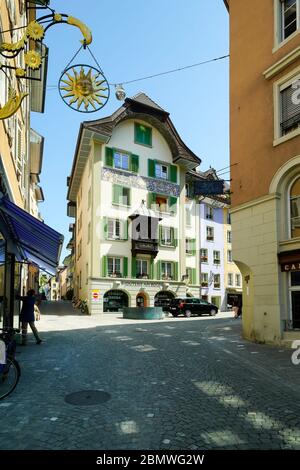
(208, 188)
(83, 88)
(289, 260)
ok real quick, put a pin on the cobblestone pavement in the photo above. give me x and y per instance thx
(173, 384)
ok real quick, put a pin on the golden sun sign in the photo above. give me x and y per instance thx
(83, 86)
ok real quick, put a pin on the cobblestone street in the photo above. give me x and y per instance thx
(172, 384)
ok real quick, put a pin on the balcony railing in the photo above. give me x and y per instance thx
(142, 276)
(204, 284)
(115, 274)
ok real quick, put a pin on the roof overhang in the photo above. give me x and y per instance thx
(82, 152)
(226, 4)
(142, 108)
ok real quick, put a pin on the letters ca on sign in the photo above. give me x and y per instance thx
(292, 267)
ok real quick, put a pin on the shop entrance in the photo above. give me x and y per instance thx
(163, 299)
(115, 300)
(296, 309)
(295, 299)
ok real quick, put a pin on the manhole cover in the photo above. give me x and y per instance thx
(87, 397)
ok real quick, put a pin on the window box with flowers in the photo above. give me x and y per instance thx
(143, 276)
(204, 284)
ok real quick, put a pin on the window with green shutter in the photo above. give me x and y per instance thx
(173, 205)
(151, 168)
(109, 157)
(104, 266)
(121, 195)
(134, 163)
(142, 134)
(173, 173)
(125, 267)
(167, 236)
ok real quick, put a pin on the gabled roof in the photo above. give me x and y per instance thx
(144, 99)
(139, 107)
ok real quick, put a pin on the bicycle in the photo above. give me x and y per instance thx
(10, 371)
(84, 307)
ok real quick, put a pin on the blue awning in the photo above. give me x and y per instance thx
(36, 242)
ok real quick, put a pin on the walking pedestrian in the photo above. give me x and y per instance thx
(28, 316)
(235, 308)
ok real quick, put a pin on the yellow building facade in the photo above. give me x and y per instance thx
(265, 120)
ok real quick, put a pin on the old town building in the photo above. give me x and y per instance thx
(137, 223)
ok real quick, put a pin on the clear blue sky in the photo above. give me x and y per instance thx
(131, 39)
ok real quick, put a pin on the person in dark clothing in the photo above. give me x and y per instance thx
(27, 316)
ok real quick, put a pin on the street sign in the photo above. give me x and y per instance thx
(208, 188)
(95, 295)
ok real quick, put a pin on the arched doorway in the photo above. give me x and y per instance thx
(115, 300)
(141, 300)
(163, 299)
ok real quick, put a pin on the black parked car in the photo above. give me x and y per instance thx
(191, 306)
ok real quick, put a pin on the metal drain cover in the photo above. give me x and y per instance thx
(87, 397)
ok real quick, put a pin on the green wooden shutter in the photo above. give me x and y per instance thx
(117, 194)
(175, 270)
(133, 267)
(194, 274)
(125, 229)
(158, 270)
(175, 237)
(160, 234)
(105, 227)
(151, 168)
(151, 268)
(173, 173)
(125, 267)
(193, 243)
(109, 157)
(104, 266)
(129, 197)
(173, 204)
(151, 199)
(135, 163)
